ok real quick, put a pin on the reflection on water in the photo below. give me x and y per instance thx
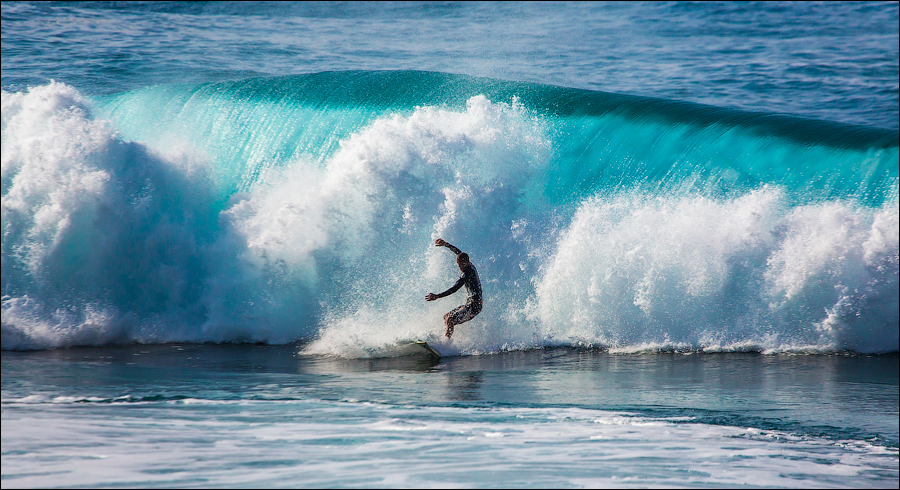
(464, 386)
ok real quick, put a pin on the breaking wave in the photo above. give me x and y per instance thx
(305, 208)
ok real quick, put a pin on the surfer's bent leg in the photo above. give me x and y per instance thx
(459, 315)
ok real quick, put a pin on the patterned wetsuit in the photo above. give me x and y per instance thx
(469, 279)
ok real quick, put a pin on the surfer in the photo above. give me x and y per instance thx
(469, 279)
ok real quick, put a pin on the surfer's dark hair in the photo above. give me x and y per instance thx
(462, 258)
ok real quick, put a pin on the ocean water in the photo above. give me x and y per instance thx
(218, 219)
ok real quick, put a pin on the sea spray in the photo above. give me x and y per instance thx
(305, 207)
(754, 273)
(396, 186)
(102, 239)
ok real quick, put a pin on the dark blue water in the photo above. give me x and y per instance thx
(835, 61)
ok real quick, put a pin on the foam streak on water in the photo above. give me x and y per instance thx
(328, 444)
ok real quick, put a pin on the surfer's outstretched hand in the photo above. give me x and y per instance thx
(439, 242)
(431, 297)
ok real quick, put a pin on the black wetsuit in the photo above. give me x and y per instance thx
(469, 279)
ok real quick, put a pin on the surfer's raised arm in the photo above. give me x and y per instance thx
(441, 243)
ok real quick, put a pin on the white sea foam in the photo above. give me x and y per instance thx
(326, 444)
(751, 273)
(100, 236)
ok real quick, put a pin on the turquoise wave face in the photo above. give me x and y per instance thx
(600, 140)
(304, 207)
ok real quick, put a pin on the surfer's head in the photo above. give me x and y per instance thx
(462, 260)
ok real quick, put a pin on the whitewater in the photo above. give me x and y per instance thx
(218, 221)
